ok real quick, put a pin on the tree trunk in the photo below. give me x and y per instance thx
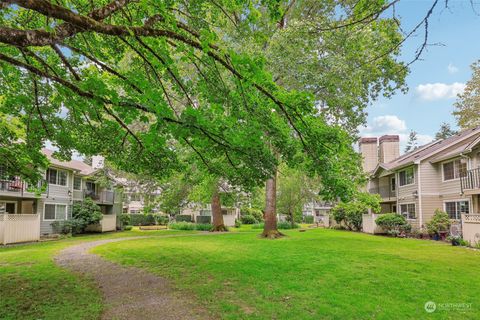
(292, 222)
(217, 216)
(270, 228)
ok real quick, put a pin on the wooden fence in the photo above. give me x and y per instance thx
(16, 228)
(108, 223)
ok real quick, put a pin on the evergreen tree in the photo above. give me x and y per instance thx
(412, 143)
(445, 131)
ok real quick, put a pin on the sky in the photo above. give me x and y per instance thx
(435, 81)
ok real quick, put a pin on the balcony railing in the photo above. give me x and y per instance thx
(15, 185)
(385, 192)
(470, 179)
(101, 197)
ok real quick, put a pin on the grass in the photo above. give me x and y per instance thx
(318, 274)
(33, 287)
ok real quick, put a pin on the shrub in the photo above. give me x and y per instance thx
(248, 219)
(162, 219)
(287, 225)
(183, 217)
(203, 226)
(204, 219)
(256, 213)
(350, 214)
(238, 224)
(84, 213)
(73, 226)
(139, 219)
(439, 223)
(308, 219)
(190, 226)
(125, 219)
(280, 225)
(127, 228)
(393, 223)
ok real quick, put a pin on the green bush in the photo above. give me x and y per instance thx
(248, 219)
(203, 226)
(238, 223)
(183, 218)
(125, 219)
(287, 225)
(204, 219)
(256, 213)
(162, 219)
(393, 223)
(127, 228)
(142, 219)
(84, 213)
(190, 226)
(284, 225)
(308, 219)
(439, 223)
(73, 226)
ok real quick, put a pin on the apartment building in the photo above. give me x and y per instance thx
(444, 174)
(66, 182)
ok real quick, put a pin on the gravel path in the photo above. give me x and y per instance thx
(129, 293)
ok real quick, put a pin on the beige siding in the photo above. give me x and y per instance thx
(407, 193)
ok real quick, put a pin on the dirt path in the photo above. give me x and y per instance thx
(129, 293)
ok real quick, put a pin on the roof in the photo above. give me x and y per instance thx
(457, 144)
(81, 167)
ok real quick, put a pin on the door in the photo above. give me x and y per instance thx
(7, 207)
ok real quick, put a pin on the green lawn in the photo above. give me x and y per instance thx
(319, 274)
(33, 287)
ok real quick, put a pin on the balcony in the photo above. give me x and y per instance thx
(470, 180)
(385, 192)
(101, 197)
(15, 186)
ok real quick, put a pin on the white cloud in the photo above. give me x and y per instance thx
(452, 69)
(437, 91)
(391, 124)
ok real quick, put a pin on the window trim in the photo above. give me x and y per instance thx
(81, 184)
(406, 204)
(451, 161)
(56, 177)
(10, 201)
(55, 204)
(457, 200)
(393, 186)
(408, 184)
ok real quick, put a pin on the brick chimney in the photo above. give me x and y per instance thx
(369, 151)
(389, 148)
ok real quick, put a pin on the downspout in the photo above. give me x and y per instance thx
(420, 209)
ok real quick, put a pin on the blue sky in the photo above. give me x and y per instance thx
(435, 80)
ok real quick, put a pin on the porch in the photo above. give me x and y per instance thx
(470, 182)
(15, 228)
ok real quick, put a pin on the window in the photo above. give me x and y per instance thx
(55, 212)
(77, 183)
(406, 177)
(394, 208)
(408, 210)
(8, 207)
(58, 177)
(454, 169)
(456, 208)
(392, 183)
(135, 197)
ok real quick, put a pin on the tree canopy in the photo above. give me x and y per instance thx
(467, 106)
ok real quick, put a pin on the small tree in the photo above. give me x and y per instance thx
(445, 131)
(440, 223)
(86, 213)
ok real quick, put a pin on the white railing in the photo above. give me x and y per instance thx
(16, 228)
